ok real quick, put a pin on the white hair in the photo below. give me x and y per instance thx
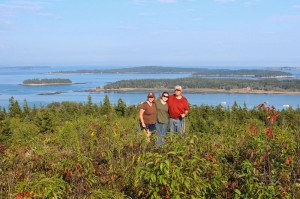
(178, 87)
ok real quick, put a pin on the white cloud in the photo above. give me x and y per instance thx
(286, 18)
(146, 14)
(296, 7)
(166, 1)
(197, 19)
(225, 1)
(15, 7)
(10, 10)
(140, 2)
(126, 27)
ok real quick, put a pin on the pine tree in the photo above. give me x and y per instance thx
(14, 108)
(89, 106)
(106, 108)
(2, 113)
(45, 122)
(121, 107)
(26, 108)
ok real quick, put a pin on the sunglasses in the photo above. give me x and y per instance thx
(165, 96)
(177, 90)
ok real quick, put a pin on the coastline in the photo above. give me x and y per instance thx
(195, 91)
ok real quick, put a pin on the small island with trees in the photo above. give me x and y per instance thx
(46, 82)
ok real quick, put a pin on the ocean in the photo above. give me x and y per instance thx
(12, 77)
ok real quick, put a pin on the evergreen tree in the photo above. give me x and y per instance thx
(121, 107)
(45, 122)
(14, 108)
(89, 105)
(106, 108)
(26, 108)
(2, 113)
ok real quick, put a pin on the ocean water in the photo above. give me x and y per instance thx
(11, 78)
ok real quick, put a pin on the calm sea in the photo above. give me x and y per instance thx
(11, 78)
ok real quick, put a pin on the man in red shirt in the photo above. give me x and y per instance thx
(178, 109)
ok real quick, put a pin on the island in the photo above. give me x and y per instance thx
(200, 72)
(46, 82)
(51, 93)
(205, 85)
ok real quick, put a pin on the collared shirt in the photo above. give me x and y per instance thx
(177, 106)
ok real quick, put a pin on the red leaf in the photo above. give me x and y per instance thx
(269, 132)
(19, 196)
(27, 194)
(288, 160)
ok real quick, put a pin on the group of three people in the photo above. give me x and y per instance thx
(163, 114)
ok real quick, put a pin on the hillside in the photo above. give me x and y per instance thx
(92, 150)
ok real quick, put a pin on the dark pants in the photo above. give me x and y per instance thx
(150, 127)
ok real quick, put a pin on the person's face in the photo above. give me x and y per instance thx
(165, 97)
(150, 99)
(177, 92)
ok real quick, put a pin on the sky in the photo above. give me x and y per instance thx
(150, 32)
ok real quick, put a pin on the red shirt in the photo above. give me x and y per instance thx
(177, 106)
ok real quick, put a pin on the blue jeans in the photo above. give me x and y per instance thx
(162, 132)
(176, 125)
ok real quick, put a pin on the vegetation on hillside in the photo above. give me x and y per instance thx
(47, 81)
(96, 150)
(213, 83)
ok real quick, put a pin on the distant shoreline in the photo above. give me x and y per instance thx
(225, 76)
(194, 72)
(195, 91)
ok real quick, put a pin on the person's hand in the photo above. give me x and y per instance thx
(182, 115)
(143, 125)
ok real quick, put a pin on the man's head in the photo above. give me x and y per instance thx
(178, 90)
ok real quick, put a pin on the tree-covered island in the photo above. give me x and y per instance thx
(198, 85)
(45, 82)
(204, 72)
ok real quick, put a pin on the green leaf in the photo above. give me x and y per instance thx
(153, 177)
(237, 192)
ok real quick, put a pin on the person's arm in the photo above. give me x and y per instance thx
(184, 114)
(141, 118)
(186, 110)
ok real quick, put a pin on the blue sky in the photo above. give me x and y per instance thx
(150, 32)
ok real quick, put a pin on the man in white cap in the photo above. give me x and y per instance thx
(178, 109)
